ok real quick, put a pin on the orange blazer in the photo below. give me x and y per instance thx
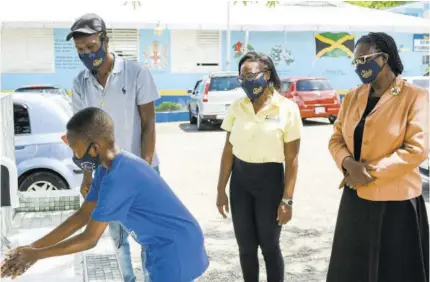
(395, 139)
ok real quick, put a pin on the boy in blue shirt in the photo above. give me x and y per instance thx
(125, 189)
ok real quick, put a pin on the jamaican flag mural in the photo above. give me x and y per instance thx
(329, 44)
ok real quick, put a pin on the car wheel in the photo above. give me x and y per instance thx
(199, 122)
(193, 119)
(332, 119)
(42, 181)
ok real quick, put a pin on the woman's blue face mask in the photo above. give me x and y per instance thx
(254, 87)
(367, 68)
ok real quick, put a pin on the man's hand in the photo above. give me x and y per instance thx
(357, 173)
(285, 213)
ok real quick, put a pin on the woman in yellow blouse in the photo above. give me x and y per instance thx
(379, 141)
(263, 132)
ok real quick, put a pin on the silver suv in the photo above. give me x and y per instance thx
(212, 96)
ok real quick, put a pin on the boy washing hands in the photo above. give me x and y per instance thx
(127, 190)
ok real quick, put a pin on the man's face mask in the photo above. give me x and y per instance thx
(93, 61)
(368, 69)
(87, 162)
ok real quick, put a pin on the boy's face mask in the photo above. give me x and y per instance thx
(87, 162)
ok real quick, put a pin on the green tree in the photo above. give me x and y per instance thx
(379, 4)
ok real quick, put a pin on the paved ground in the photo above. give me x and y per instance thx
(306, 240)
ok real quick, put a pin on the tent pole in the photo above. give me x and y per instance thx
(228, 38)
(246, 41)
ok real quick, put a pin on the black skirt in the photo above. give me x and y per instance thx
(380, 241)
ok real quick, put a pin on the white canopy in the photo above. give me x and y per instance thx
(210, 15)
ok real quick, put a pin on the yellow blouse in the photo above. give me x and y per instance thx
(260, 138)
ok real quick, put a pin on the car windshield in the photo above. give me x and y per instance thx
(41, 90)
(224, 83)
(313, 85)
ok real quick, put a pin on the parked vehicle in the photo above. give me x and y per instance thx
(424, 82)
(43, 88)
(211, 97)
(44, 161)
(56, 92)
(424, 171)
(315, 96)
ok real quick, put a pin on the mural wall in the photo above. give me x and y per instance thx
(322, 54)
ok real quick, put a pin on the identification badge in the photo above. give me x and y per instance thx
(272, 119)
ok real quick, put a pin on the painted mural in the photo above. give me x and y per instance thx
(279, 54)
(155, 56)
(155, 53)
(239, 50)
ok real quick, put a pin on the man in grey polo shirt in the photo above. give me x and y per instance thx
(126, 91)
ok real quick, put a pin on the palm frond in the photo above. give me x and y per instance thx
(269, 4)
(134, 4)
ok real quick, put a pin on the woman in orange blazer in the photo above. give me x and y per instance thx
(379, 141)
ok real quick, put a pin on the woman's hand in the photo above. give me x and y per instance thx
(222, 204)
(285, 213)
(358, 174)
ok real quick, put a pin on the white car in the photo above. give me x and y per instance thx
(422, 81)
(212, 96)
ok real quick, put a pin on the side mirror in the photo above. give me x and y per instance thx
(190, 91)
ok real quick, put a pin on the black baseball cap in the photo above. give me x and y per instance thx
(87, 24)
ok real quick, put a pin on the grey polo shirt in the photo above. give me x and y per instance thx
(128, 86)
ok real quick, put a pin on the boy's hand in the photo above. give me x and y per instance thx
(18, 261)
(85, 188)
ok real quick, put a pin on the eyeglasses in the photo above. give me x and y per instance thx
(249, 76)
(364, 59)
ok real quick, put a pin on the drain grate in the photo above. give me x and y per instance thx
(103, 268)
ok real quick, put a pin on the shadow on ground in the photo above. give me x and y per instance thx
(315, 122)
(306, 254)
(192, 128)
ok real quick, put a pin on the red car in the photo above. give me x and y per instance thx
(315, 96)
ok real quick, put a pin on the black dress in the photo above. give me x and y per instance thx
(379, 241)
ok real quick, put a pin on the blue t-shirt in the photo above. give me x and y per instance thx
(132, 193)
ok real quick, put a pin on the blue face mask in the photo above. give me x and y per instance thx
(254, 88)
(93, 61)
(368, 71)
(87, 162)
